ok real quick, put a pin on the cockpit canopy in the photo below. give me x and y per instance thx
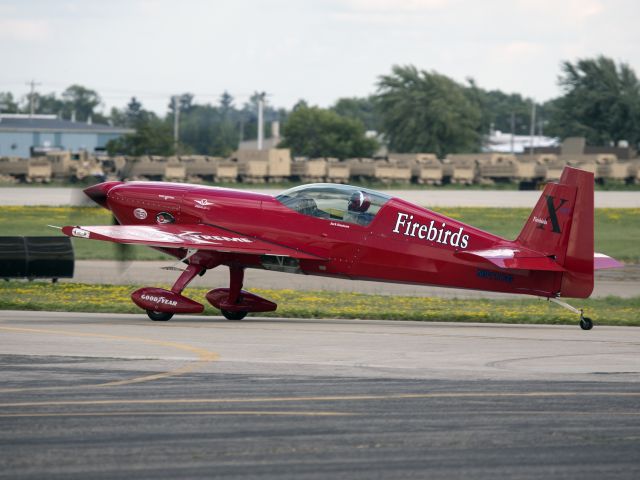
(344, 203)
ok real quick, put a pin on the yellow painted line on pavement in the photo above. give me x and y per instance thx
(179, 413)
(203, 356)
(327, 398)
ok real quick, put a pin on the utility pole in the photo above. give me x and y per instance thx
(32, 98)
(260, 119)
(176, 115)
(532, 128)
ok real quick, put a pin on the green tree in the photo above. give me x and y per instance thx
(185, 103)
(316, 132)
(426, 112)
(226, 103)
(153, 136)
(81, 100)
(134, 111)
(364, 109)
(601, 102)
(7, 103)
(48, 104)
(209, 130)
(300, 104)
(496, 108)
(131, 116)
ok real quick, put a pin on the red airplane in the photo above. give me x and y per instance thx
(347, 232)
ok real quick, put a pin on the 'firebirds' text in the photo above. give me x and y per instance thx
(432, 233)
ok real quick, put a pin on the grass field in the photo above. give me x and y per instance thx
(18, 295)
(617, 230)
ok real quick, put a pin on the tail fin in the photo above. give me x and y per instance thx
(561, 227)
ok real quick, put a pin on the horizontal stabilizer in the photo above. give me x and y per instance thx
(602, 261)
(512, 258)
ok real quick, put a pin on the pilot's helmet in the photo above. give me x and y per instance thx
(359, 202)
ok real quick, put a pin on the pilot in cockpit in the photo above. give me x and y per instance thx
(357, 208)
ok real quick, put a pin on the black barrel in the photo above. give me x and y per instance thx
(36, 257)
(13, 257)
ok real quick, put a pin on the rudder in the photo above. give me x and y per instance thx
(561, 226)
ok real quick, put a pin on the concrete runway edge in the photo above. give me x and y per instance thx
(118, 396)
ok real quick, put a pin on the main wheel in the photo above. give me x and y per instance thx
(233, 315)
(586, 323)
(159, 316)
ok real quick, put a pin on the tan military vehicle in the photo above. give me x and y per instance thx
(552, 166)
(593, 163)
(378, 170)
(252, 171)
(145, 167)
(199, 167)
(39, 170)
(226, 171)
(361, 168)
(113, 167)
(426, 168)
(276, 168)
(499, 167)
(74, 166)
(610, 168)
(337, 171)
(309, 171)
(462, 168)
(14, 169)
(29, 170)
(634, 169)
(60, 164)
(174, 170)
(210, 169)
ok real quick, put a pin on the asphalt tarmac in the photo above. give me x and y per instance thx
(119, 396)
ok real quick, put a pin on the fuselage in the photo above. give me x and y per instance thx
(400, 242)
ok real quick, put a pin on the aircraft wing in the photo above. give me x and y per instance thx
(200, 237)
(511, 258)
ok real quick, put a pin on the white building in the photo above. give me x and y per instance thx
(506, 143)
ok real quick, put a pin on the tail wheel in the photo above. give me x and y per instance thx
(233, 315)
(586, 323)
(159, 316)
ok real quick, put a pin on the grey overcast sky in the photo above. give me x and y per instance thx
(316, 50)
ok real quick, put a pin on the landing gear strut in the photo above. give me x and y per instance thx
(183, 280)
(235, 303)
(236, 278)
(585, 322)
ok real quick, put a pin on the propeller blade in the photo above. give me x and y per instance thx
(124, 253)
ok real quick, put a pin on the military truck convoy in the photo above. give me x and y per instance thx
(276, 165)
